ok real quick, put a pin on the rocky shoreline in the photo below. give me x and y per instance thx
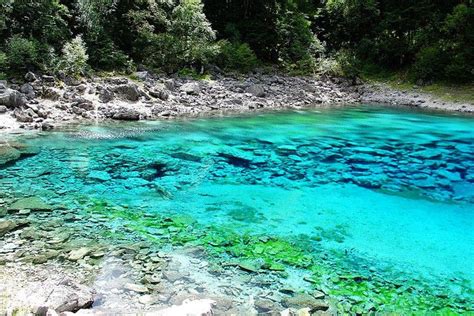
(45, 102)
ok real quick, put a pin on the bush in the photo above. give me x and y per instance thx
(3, 65)
(236, 56)
(22, 54)
(329, 66)
(105, 55)
(429, 64)
(350, 65)
(73, 62)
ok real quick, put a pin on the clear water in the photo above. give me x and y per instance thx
(392, 187)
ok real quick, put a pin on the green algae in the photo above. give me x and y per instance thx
(354, 292)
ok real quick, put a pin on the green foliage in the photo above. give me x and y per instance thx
(236, 56)
(22, 54)
(298, 46)
(105, 55)
(430, 40)
(74, 58)
(187, 42)
(3, 65)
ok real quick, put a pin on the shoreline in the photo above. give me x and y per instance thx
(46, 103)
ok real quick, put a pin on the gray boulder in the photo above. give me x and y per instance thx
(124, 114)
(28, 90)
(25, 116)
(190, 88)
(30, 77)
(51, 94)
(159, 91)
(128, 91)
(69, 296)
(106, 95)
(11, 98)
(257, 90)
(3, 109)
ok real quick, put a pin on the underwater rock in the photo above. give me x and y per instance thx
(80, 253)
(172, 275)
(136, 288)
(6, 226)
(31, 203)
(248, 266)
(99, 175)
(45, 256)
(265, 306)
(8, 154)
(303, 300)
(69, 297)
(201, 307)
(147, 299)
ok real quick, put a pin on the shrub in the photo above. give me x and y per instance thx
(73, 61)
(22, 54)
(236, 56)
(105, 55)
(349, 64)
(3, 65)
(329, 66)
(429, 63)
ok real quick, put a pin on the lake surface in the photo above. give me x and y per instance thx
(359, 189)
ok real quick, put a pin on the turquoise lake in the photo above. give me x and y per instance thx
(392, 188)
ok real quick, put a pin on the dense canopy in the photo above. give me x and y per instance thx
(425, 39)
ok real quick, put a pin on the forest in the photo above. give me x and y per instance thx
(424, 40)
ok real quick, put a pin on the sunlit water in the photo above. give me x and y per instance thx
(395, 187)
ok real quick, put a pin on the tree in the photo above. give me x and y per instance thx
(74, 58)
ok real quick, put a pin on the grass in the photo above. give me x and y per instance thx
(446, 91)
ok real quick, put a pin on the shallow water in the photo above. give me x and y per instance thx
(393, 188)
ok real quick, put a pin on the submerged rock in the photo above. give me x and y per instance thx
(99, 175)
(6, 226)
(69, 297)
(8, 154)
(303, 300)
(31, 203)
(78, 254)
(136, 288)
